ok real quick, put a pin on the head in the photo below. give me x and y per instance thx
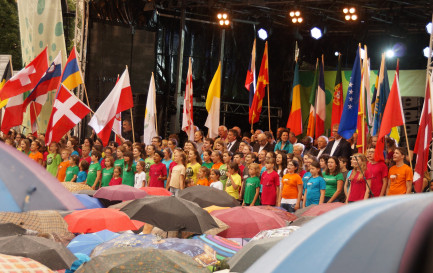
(262, 139)
(400, 154)
(214, 175)
(150, 150)
(25, 144)
(172, 143)
(300, 161)
(35, 146)
(207, 144)
(127, 125)
(359, 161)
(74, 160)
(322, 141)
(84, 165)
(198, 136)
(141, 165)
(167, 153)
(333, 166)
(315, 168)
(157, 141)
(217, 156)
(323, 161)
(238, 158)
(370, 153)
(307, 141)
(335, 132)
(293, 167)
(158, 156)
(298, 149)
(180, 157)
(222, 132)
(262, 156)
(292, 138)
(373, 140)
(207, 155)
(254, 169)
(108, 151)
(343, 162)
(270, 164)
(227, 157)
(120, 152)
(189, 145)
(232, 135)
(54, 147)
(96, 155)
(233, 168)
(284, 136)
(194, 156)
(129, 158)
(117, 172)
(99, 142)
(109, 161)
(64, 153)
(269, 137)
(220, 145)
(88, 142)
(203, 173)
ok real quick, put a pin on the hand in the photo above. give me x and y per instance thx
(296, 206)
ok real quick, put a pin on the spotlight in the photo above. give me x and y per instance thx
(297, 13)
(354, 17)
(336, 53)
(225, 16)
(296, 16)
(426, 51)
(263, 34)
(345, 10)
(294, 20)
(223, 19)
(352, 10)
(390, 53)
(428, 27)
(300, 20)
(316, 33)
(350, 14)
(220, 16)
(221, 22)
(292, 13)
(227, 22)
(347, 17)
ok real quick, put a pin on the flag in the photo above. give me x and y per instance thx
(381, 96)
(213, 100)
(27, 78)
(294, 123)
(7, 74)
(119, 100)
(12, 113)
(250, 81)
(337, 102)
(321, 102)
(392, 116)
(71, 76)
(312, 101)
(150, 130)
(117, 128)
(364, 110)
(262, 81)
(37, 98)
(68, 110)
(423, 140)
(395, 134)
(349, 117)
(187, 119)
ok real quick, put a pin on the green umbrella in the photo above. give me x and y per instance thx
(170, 213)
(141, 260)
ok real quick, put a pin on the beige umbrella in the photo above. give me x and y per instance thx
(43, 221)
(75, 187)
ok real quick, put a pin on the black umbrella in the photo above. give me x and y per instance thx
(49, 253)
(9, 229)
(208, 196)
(170, 213)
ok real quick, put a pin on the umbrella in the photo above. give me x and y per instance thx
(282, 213)
(75, 187)
(213, 207)
(85, 243)
(47, 252)
(245, 257)
(246, 222)
(170, 213)
(275, 233)
(14, 264)
(390, 234)
(302, 221)
(321, 209)
(94, 220)
(156, 191)
(196, 249)
(208, 196)
(119, 192)
(185, 234)
(224, 247)
(88, 192)
(138, 259)
(25, 185)
(120, 205)
(9, 229)
(88, 202)
(42, 221)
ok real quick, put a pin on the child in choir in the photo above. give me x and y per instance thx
(315, 186)
(34, 152)
(107, 172)
(215, 178)
(117, 177)
(203, 176)
(73, 170)
(119, 153)
(207, 162)
(270, 182)
(94, 174)
(53, 158)
(63, 166)
(82, 174)
(157, 171)
(234, 180)
(128, 171)
(252, 186)
(140, 176)
(85, 154)
(176, 179)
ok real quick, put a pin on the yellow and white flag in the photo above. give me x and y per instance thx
(150, 130)
(213, 101)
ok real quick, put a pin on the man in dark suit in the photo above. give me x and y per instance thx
(262, 144)
(339, 146)
(232, 141)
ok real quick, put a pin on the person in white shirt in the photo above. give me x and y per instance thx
(215, 176)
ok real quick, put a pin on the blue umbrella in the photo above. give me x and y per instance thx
(85, 243)
(89, 202)
(25, 185)
(378, 235)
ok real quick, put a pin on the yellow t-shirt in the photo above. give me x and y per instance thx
(192, 171)
(229, 185)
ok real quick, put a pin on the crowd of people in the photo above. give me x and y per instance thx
(255, 168)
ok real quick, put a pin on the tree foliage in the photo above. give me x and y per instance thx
(10, 32)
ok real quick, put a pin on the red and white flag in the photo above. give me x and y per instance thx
(119, 100)
(423, 139)
(13, 113)
(187, 120)
(67, 112)
(27, 78)
(117, 128)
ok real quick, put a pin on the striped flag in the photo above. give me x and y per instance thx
(262, 81)
(250, 81)
(337, 102)
(187, 118)
(294, 123)
(150, 130)
(321, 102)
(312, 101)
(213, 101)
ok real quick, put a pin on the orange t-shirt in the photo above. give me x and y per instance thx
(36, 156)
(203, 182)
(216, 166)
(290, 185)
(61, 170)
(399, 177)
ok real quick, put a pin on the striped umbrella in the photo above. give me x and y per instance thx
(224, 247)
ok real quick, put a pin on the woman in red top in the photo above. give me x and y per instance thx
(358, 186)
(270, 185)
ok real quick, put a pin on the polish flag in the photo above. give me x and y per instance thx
(119, 100)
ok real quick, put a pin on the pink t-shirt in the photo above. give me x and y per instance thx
(115, 181)
(376, 172)
(270, 182)
(357, 187)
(157, 170)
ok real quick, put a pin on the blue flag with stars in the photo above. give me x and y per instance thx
(349, 117)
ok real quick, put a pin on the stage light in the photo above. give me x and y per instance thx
(263, 34)
(428, 27)
(336, 53)
(347, 17)
(345, 10)
(426, 51)
(297, 13)
(227, 22)
(223, 19)
(350, 14)
(390, 53)
(300, 20)
(294, 20)
(220, 16)
(292, 13)
(352, 10)
(316, 33)
(296, 16)
(354, 17)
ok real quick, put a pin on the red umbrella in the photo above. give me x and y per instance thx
(156, 191)
(94, 220)
(119, 192)
(246, 222)
(321, 209)
(282, 213)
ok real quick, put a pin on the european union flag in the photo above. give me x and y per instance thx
(349, 117)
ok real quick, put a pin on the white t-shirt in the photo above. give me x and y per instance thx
(138, 180)
(217, 184)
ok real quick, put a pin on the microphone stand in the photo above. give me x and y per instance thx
(363, 176)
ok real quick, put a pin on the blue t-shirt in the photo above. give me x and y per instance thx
(313, 187)
(167, 164)
(305, 178)
(82, 176)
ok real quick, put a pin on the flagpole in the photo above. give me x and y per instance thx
(269, 110)
(36, 118)
(132, 124)
(407, 144)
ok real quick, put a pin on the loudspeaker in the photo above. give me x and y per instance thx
(412, 103)
(411, 140)
(412, 116)
(411, 129)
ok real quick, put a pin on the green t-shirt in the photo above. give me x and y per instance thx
(149, 162)
(92, 173)
(207, 165)
(107, 174)
(223, 172)
(119, 163)
(53, 162)
(70, 172)
(128, 176)
(251, 184)
(331, 183)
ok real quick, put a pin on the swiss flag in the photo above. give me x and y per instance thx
(27, 78)
(119, 100)
(67, 112)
